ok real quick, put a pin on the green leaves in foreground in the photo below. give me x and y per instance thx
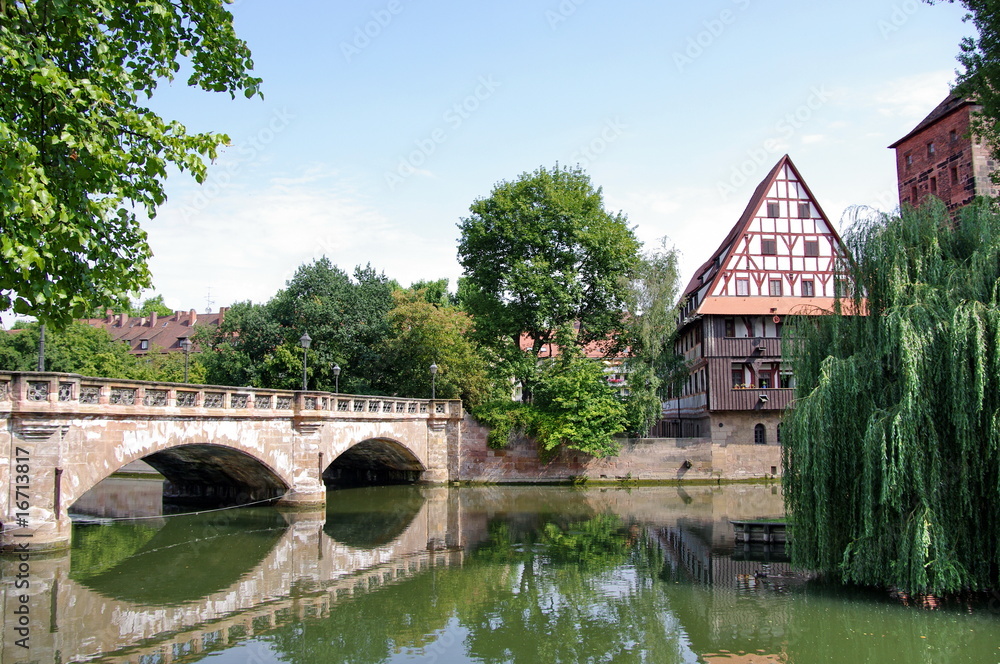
(79, 153)
(892, 451)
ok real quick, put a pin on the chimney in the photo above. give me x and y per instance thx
(122, 319)
(109, 316)
(222, 314)
(194, 317)
(152, 319)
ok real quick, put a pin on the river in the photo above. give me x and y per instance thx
(473, 574)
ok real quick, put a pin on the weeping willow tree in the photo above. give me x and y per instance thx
(892, 451)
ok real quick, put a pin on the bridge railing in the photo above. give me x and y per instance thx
(30, 391)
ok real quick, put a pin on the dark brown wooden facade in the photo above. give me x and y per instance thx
(779, 259)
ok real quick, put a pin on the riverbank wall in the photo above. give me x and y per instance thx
(640, 459)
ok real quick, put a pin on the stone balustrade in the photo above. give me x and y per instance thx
(54, 392)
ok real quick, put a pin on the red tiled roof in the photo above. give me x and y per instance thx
(161, 333)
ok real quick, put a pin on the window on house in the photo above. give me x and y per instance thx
(144, 344)
(808, 289)
(737, 374)
(908, 157)
(759, 435)
(774, 287)
(952, 136)
(769, 247)
(730, 327)
(930, 149)
(764, 381)
(787, 380)
(933, 185)
(778, 432)
(773, 209)
(805, 210)
(840, 288)
(913, 195)
(743, 287)
(954, 175)
(812, 247)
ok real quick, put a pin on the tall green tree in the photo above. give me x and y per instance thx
(652, 363)
(540, 253)
(422, 334)
(81, 152)
(892, 451)
(345, 318)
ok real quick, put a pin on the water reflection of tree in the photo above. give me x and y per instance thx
(580, 591)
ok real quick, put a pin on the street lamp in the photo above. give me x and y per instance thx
(305, 340)
(186, 345)
(336, 378)
(434, 371)
(41, 348)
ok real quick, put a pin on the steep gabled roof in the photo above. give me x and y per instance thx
(950, 104)
(710, 290)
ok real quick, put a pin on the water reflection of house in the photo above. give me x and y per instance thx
(777, 260)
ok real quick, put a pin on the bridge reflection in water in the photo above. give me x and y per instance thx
(485, 574)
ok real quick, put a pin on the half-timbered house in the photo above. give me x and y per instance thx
(778, 259)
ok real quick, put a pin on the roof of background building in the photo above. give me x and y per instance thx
(950, 104)
(161, 334)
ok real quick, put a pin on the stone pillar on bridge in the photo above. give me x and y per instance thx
(307, 491)
(440, 431)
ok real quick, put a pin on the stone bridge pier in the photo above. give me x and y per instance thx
(61, 434)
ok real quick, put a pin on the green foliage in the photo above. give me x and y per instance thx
(421, 334)
(540, 253)
(258, 344)
(91, 351)
(980, 57)
(79, 150)
(573, 407)
(892, 452)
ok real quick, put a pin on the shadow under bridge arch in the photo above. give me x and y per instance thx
(376, 461)
(215, 475)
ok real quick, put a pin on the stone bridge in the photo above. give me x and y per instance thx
(61, 434)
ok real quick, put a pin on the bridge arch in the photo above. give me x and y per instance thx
(379, 460)
(219, 473)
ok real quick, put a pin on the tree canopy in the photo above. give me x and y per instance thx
(540, 253)
(892, 451)
(81, 153)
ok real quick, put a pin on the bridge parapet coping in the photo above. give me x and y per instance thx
(27, 392)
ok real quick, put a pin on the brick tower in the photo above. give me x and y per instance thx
(940, 157)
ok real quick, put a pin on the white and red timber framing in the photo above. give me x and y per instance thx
(779, 259)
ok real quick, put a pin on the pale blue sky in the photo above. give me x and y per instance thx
(382, 121)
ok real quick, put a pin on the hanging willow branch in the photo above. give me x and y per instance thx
(892, 467)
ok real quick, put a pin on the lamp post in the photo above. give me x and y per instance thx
(336, 379)
(41, 348)
(434, 371)
(186, 345)
(305, 340)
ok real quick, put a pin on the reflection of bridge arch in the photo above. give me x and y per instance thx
(299, 570)
(356, 521)
(375, 461)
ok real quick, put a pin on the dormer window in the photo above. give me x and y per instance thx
(144, 344)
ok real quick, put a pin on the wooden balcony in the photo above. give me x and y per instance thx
(743, 347)
(775, 398)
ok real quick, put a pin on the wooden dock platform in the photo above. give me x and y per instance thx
(767, 532)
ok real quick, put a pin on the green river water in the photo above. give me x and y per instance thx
(478, 574)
